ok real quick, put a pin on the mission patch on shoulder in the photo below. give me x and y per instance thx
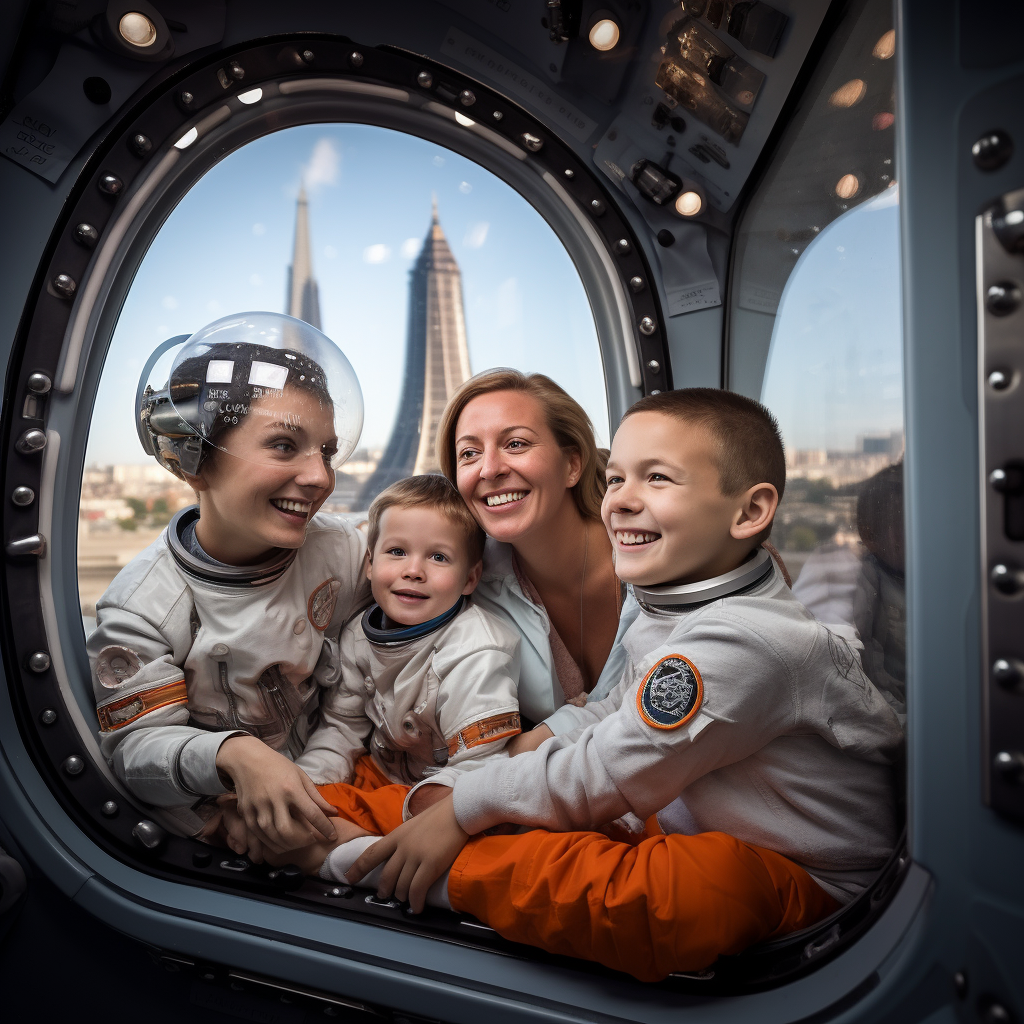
(671, 693)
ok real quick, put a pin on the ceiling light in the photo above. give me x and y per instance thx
(250, 97)
(848, 95)
(847, 186)
(689, 204)
(604, 34)
(137, 29)
(466, 122)
(886, 46)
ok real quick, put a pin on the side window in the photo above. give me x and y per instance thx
(423, 266)
(816, 335)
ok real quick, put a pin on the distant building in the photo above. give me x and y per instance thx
(302, 299)
(436, 363)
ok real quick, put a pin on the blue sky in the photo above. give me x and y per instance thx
(227, 245)
(835, 368)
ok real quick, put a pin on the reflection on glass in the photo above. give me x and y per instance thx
(420, 264)
(834, 379)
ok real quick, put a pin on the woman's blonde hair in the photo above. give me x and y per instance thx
(565, 418)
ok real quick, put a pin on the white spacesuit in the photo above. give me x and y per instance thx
(186, 653)
(419, 698)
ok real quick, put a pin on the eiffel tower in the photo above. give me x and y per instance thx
(302, 298)
(436, 363)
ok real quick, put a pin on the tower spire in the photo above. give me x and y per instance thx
(303, 297)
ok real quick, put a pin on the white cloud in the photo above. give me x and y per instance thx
(255, 280)
(378, 253)
(465, 188)
(439, 160)
(330, 252)
(324, 164)
(169, 302)
(411, 248)
(259, 229)
(476, 235)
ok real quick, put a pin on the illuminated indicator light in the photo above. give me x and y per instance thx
(847, 186)
(848, 95)
(466, 122)
(604, 35)
(882, 121)
(886, 46)
(250, 97)
(689, 204)
(187, 139)
(137, 29)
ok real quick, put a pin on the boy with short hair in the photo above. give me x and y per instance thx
(742, 732)
(428, 679)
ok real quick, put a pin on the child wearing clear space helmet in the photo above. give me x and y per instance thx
(212, 646)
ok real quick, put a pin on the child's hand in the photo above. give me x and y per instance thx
(236, 833)
(418, 853)
(276, 799)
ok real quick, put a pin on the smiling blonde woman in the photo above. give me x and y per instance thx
(523, 455)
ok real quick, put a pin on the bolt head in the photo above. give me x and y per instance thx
(1003, 298)
(532, 142)
(997, 478)
(141, 144)
(1010, 763)
(111, 184)
(236, 70)
(186, 97)
(497, 115)
(109, 809)
(73, 765)
(653, 365)
(647, 326)
(425, 79)
(467, 97)
(23, 496)
(1005, 580)
(64, 285)
(636, 284)
(597, 207)
(355, 58)
(1008, 672)
(87, 235)
(39, 661)
(992, 151)
(622, 246)
(999, 380)
(31, 441)
(48, 716)
(149, 834)
(308, 56)
(569, 173)
(39, 383)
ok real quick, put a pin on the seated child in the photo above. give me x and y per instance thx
(212, 645)
(742, 765)
(428, 679)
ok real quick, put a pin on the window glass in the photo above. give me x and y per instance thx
(330, 222)
(816, 335)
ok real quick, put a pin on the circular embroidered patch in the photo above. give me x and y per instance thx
(671, 693)
(116, 665)
(320, 607)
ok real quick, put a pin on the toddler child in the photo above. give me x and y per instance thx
(744, 757)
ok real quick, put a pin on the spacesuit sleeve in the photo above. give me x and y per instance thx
(142, 707)
(642, 755)
(340, 739)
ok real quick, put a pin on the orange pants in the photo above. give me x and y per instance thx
(648, 907)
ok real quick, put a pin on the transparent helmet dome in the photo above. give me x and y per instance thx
(268, 388)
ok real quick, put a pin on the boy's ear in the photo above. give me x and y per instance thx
(368, 564)
(757, 510)
(474, 577)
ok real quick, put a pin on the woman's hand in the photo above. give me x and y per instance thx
(418, 853)
(528, 740)
(278, 802)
